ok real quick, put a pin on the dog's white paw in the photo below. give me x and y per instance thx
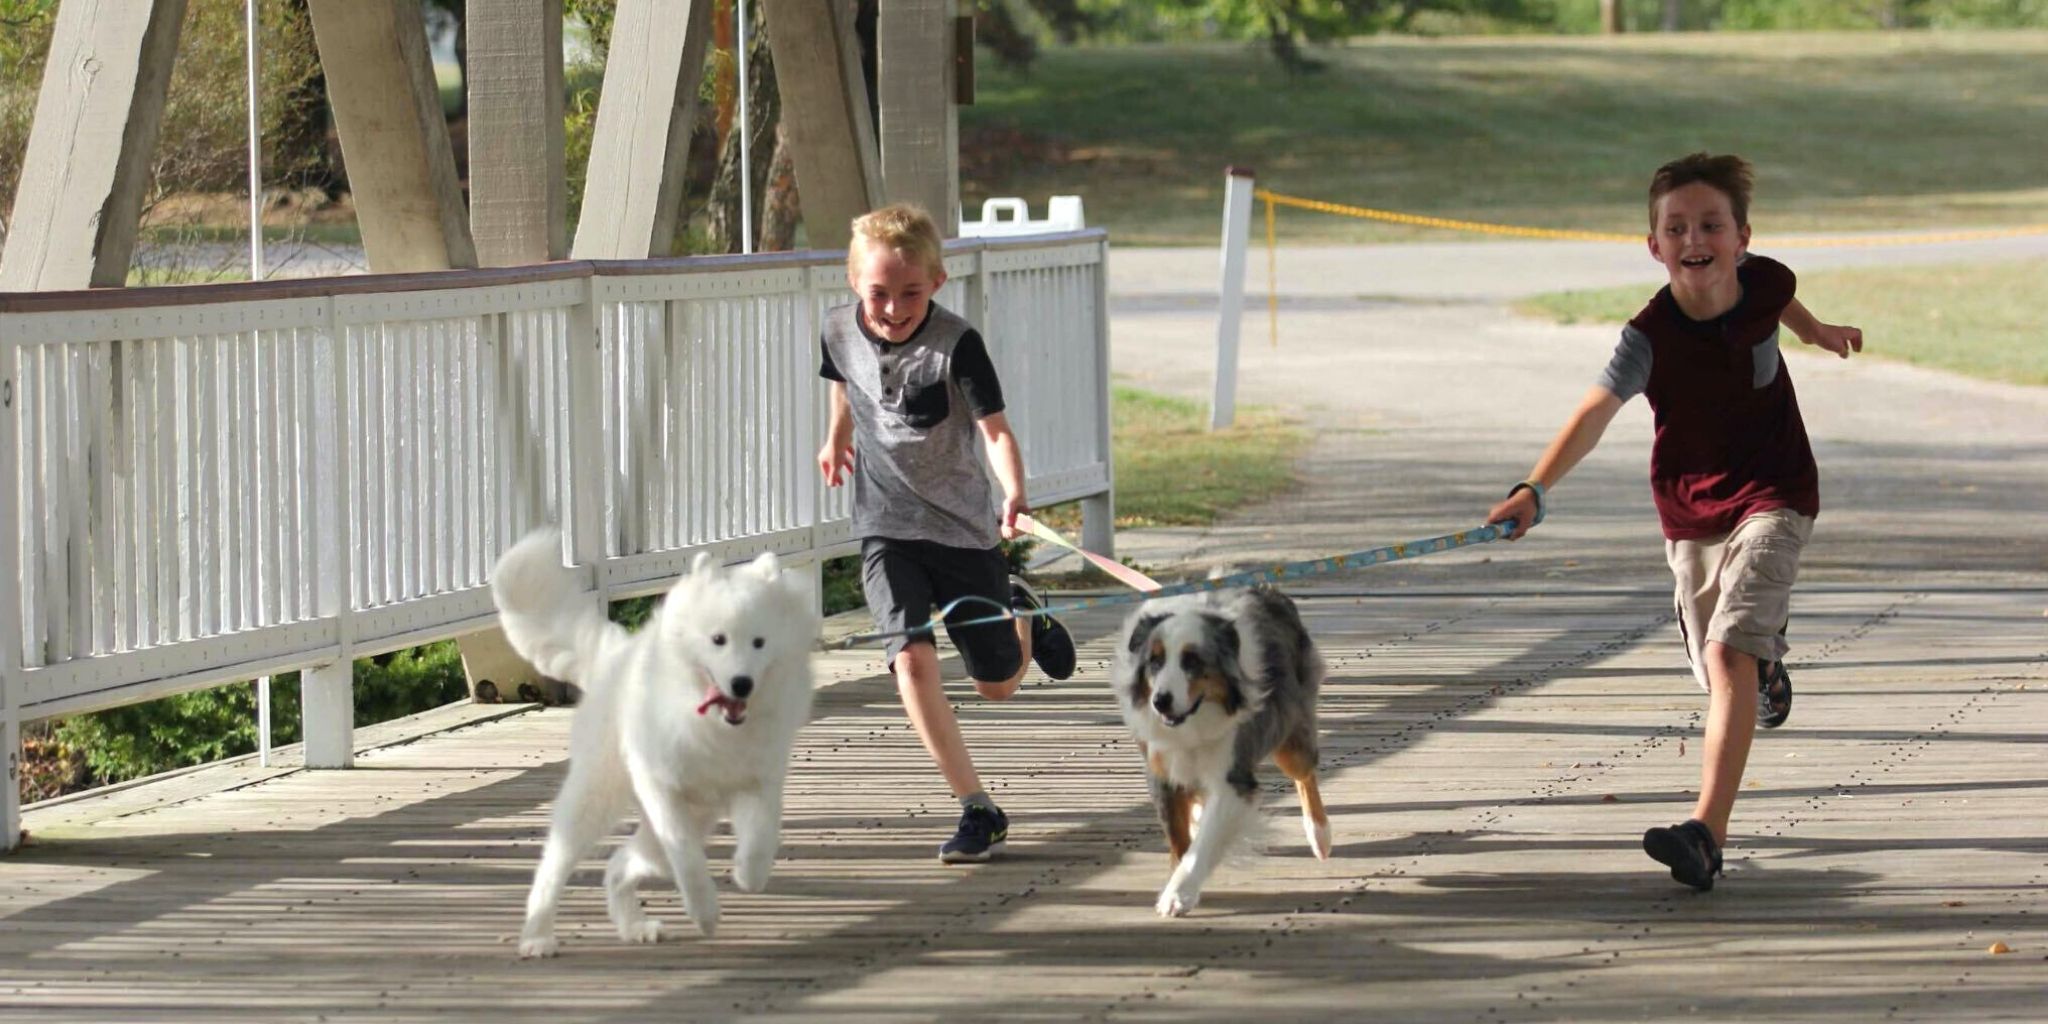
(644, 930)
(1176, 901)
(704, 914)
(750, 874)
(1318, 837)
(538, 947)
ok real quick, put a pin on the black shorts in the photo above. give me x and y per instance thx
(907, 580)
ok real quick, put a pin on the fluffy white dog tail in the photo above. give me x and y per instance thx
(549, 618)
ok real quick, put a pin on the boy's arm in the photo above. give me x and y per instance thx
(1836, 338)
(835, 459)
(1008, 461)
(1578, 436)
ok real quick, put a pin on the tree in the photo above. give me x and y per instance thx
(764, 112)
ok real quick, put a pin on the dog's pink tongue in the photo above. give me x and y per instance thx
(735, 710)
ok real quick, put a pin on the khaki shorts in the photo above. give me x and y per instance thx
(1737, 588)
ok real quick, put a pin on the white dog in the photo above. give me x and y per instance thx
(644, 738)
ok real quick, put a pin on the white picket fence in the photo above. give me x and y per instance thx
(214, 483)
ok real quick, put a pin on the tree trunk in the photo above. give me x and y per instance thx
(1673, 10)
(764, 111)
(780, 208)
(1610, 17)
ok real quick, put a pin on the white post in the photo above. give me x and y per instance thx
(739, 17)
(1098, 513)
(255, 150)
(10, 607)
(327, 704)
(590, 477)
(10, 790)
(326, 693)
(1237, 224)
(263, 721)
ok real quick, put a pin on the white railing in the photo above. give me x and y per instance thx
(214, 483)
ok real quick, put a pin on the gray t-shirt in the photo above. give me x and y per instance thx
(917, 474)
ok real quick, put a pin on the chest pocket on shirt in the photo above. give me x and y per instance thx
(924, 403)
(1763, 362)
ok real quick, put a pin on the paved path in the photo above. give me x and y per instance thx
(1499, 727)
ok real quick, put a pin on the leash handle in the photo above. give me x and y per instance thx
(1117, 570)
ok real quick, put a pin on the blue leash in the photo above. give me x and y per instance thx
(1290, 570)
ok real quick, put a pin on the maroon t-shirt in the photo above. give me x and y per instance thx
(1730, 442)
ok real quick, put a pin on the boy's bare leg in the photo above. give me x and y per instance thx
(924, 700)
(1731, 724)
(1003, 690)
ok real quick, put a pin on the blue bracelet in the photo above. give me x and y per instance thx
(1535, 489)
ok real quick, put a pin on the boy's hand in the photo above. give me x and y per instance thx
(1837, 338)
(835, 462)
(1013, 507)
(1520, 507)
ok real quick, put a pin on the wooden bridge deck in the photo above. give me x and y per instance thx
(1491, 758)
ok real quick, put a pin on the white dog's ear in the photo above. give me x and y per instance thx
(702, 564)
(767, 566)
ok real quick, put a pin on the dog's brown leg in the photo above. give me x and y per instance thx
(1298, 760)
(1171, 802)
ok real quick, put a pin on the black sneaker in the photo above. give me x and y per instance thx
(982, 833)
(1689, 850)
(1052, 647)
(1773, 694)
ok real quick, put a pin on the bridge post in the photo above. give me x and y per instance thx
(394, 139)
(517, 188)
(10, 607)
(831, 136)
(78, 206)
(919, 133)
(327, 702)
(640, 146)
(1098, 513)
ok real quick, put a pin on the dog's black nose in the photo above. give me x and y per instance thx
(1163, 702)
(742, 685)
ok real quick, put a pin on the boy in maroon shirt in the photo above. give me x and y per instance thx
(1730, 470)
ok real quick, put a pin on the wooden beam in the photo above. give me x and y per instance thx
(920, 122)
(517, 186)
(825, 110)
(394, 136)
(79, 200)
(639, 151)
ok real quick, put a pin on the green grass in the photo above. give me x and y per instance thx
(1849, 131)
(323, 233)
(1171, 470)
(1979, 319)
(448, 82)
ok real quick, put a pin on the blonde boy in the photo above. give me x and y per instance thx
(912, 389)
(1731, 471)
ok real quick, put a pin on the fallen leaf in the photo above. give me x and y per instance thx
(1610, 799)
(1951, 903)
(1997, 948)
(1752, 784)
(1681, 748)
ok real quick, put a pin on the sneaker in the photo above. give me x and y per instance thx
(1773, 694)
(982, 833)
(1689, 850)
(1052, 647)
